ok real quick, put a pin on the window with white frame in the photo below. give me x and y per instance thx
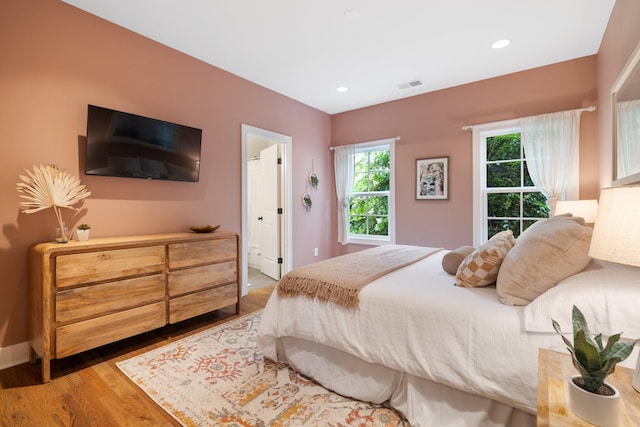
(505, 197)
(372, 202)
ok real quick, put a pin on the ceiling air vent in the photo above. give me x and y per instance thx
(412, 83)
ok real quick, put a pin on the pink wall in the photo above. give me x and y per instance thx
(621, 37)
(430, 125)
(54, 60)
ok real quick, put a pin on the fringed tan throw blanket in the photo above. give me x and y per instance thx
(340, 279)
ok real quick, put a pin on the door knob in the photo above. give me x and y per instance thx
(259, 218)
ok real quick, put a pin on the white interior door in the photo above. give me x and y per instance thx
(269, 191)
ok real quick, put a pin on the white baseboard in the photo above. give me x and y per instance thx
(14, 355)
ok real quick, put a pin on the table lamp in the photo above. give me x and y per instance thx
(586, 209)
(616, 234)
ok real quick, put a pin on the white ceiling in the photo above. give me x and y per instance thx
(305, 49)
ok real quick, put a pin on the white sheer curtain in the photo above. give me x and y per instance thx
(628, 138)
(343, 160)
(254, 170)
(551, 146)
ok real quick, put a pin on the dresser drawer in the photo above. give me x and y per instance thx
(97, 300)
(192, 305)
(89, 267)
(199, 278)
(197, 253)
(81, 336)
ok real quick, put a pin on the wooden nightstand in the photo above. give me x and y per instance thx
(553, 370)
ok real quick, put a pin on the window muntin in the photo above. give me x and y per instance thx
(511, 200)
(371, 207)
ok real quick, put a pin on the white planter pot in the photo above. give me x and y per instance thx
(83, 235)
(600, 410)
(635, 381)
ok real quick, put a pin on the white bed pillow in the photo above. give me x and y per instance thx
(608, 295)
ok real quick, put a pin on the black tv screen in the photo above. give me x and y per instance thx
(128, 145)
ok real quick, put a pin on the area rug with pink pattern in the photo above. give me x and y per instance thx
(218, 377)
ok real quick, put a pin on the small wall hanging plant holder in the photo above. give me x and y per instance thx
(313, 177)
(306, 201)
(313, 180)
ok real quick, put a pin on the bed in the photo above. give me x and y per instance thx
(441, 354)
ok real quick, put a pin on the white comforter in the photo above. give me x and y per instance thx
(415, 320)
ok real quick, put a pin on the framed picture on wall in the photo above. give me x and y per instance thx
(432, 178)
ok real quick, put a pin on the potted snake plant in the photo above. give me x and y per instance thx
(590, 397)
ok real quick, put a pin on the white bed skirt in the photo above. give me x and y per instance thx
(423, 402)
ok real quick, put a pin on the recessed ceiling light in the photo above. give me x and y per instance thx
(342, 89)
(499, 44)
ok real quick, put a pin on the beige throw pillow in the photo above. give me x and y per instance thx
(480, 267)
(452, 259)
(546, 253)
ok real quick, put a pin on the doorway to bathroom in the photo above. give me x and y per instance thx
(266, 222)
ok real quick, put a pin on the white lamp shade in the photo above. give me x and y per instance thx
(586, 209)
(616, 233)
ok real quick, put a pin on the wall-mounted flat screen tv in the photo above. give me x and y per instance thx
(128, 145)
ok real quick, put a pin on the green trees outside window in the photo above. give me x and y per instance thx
(369, 206)
(513, 202)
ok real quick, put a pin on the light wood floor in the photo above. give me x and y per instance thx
(89, 390)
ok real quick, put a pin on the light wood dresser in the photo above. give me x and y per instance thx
(86, 294)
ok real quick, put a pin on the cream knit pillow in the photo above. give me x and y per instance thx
(547, 252)
(480, 267)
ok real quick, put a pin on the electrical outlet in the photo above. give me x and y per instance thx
(315, 251)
